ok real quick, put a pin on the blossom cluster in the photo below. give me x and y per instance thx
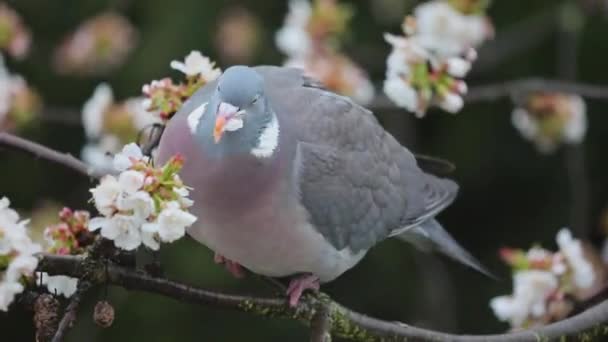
(426, 66)
(109, 125)
(15, 38)
(98, 45)
(544, 282)
(19, 103)
(17, 260)
(549, 119)
(143, 204)
(165, 97)
(69, 236)
(310, 37)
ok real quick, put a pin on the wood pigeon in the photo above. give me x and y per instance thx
(290, 179)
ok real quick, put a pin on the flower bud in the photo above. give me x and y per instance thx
(103, 314)
(46, 316)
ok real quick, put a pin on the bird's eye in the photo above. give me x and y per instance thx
(256, 98)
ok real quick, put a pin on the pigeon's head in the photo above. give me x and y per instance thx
(238, 118)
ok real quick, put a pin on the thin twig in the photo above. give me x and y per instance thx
(495, 91)
(69, 317)
(516, 39)
(320, 325)
(20, 144)
(346, 323)
(61, 115)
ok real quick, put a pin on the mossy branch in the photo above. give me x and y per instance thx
(340, 321)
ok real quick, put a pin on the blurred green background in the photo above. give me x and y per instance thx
(510, 194)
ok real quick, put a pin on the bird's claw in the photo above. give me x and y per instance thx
(298, 285)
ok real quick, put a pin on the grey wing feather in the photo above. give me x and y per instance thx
(434, 165)
(431, 236)
(436, 195)
(358, 184)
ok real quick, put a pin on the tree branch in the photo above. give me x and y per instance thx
(342, 321)
(20, 144)
(492, 92)
(69, 317)
(321, 325)
(516, 39)
(495, 91)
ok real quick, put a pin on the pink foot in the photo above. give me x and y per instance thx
(298, 285)
(233, 267)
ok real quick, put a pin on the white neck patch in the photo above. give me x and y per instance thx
(269, 140)
(236, 122)
(194, 117)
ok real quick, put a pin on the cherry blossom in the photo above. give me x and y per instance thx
(293, 38)
(549, 119)
(163, 98)
(172, 222)
(197, 65)
(130, 154)
(17, 254)
(143, 204)
(108, 125)
(15, 37)
(543, 281)
(98, 45)
(416, 79)
(531, 290)
(442, 29)
(19, 103)
(105, 194)
(310, 38)
(426, 67)
(573, 253)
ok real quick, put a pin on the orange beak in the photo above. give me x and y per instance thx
(225, 112)
(218, 130)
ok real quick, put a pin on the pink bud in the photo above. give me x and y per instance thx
(63, 251)
(460, 87)
(507, 254)
(65, 214)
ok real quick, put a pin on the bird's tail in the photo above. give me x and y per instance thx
(430, 236)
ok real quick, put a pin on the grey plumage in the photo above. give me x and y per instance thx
(431, 236)
(335, 171)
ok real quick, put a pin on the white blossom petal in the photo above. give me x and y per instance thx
(401, 93)
(172, 222)
(196, 64)
(576, 128)
(572, 250)
(105, 194)
(8, 290)
(451, 102)
(149, 233)
(131, 181)
(130, 153)
(59, 284)
(140, 203)
(446, 31)
(23, 264)
(458, 67)
(293, 38)
(17, 252)
(94, 109)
